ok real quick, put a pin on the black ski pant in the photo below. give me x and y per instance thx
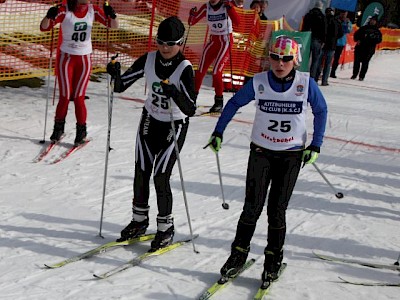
(279, 169)
(336, 57)
(361, 58)
(155, 152)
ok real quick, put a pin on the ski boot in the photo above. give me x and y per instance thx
(81, 133)
(165, 233)
(235, 261)
(58, 131)
(272, 265)
(137, 226)
(218, 104)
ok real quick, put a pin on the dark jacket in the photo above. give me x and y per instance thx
(334, 32)
(367, 37)
(315, 22)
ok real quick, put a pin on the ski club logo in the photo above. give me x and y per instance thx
(260, 89)
(299, 90)
(80, 26)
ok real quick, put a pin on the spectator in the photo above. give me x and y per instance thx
(334, 31)
(220, 15)
(259, 6)
(315, 22)
(366, 38)
(238, 3)
(264, 6)
(341, 42)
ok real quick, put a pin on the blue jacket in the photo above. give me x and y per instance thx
(346, 27)
(247, 94)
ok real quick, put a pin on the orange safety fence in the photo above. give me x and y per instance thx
(390, 41)
(25, 51)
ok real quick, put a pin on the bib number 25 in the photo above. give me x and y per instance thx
(160, 101)
(282, 126)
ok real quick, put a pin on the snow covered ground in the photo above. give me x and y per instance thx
(51, 212)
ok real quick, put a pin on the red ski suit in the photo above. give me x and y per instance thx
(218, 48)
(73, 70)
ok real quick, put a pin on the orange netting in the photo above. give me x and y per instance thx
(25, 51)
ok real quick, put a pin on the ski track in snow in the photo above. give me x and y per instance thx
(52, 212)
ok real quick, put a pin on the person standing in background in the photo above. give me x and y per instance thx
(366, 38)
(74, 61)
(220, 15)
(264, 7)
(334, 31)
(315, 22)
(347, 26)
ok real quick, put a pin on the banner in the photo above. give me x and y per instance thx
(304, 41)
(347, 5)
(373, 9)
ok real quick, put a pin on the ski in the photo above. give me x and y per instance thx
(368, 283)
(70, 151)
(100, 249)
(143, 257)
(266, 285)
(224, 281)
(207, 114)
(47, 150)
(358, 262)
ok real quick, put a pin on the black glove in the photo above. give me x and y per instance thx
(109, 11)
(114, 69)
(52, 13)
(228, 4)
(193, 11)
(169, 90)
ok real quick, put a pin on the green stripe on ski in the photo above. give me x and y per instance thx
(145, 256)
(101, 249)
(218, 286)
(263, 291)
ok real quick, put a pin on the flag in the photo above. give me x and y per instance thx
(348, 5)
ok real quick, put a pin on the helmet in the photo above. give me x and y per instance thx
(171, 29)
(284, 45)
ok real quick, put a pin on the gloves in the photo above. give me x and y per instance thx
(310, 155)
(228, 4)
(114, 69)
(52, 13)
(215, 141)
(109, 11)
(192, 15)
(169, 90)
(193, 11)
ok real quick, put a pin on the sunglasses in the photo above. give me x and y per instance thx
(277, 57)
(168, 43)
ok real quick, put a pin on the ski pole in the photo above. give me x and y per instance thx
(230, 54)
(180, 172)
(224, 205)
(187, 36)
(48, 87)
(338, 195)
(108, 148)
